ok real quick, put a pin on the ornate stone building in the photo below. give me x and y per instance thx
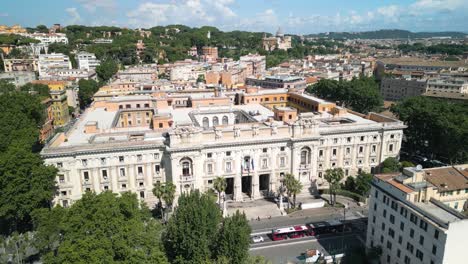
(190, 146)
(279, 41)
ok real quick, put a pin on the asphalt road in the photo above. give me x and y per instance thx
(291, 251)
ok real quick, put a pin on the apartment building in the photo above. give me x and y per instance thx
(49, 63)
(398, 89)
(13, 65)
(254, 62)
(18, 78)
(87, 61)
(414, 216)
(278, 81)
(444, 85)
(209, 136)
(48, 38)
(59, 103)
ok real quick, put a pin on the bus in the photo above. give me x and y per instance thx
(325, 227)
(289, 232)
(311, 229)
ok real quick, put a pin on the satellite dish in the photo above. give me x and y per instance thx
(419, 167)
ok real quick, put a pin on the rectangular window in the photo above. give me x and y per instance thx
(264, 163)
(407, 260)
(423, 225)
(61, 178)
(419, 254)
(374, 148)
(228, 167)
(59, 164)
(392, 219)
(140, 170)
(104, 174)
(86, 175)
(321, 153)
(121, 159)
(402, 226)
(156, 156)
(361, 149)
(157, 168)
(436, 234)
(228, 153)
(409, 247)
(362, 138)
(421, 240)
(384, 213)
(122, 172)
(282, 161)
(411, 233)
(391, 232)
(348, 151)
(282, 149)
(334, 152)
(390, 148)
(265, 150)
(139, 157)
(209, 168)
(209, 155)
(434, 249)
(389, 245)
(414, 219)
(103, 161)
(348, 139)
(398, 253)
(400, 239)
(84, 162)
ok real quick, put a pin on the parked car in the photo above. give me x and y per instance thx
(257, 239)
(419, 159)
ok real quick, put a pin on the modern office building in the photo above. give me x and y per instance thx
(414, 216)
(128, 143)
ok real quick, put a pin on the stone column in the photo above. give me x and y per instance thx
(238, 187)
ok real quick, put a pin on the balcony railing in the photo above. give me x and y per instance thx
(185, 178)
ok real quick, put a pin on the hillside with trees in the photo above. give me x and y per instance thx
(388, 34)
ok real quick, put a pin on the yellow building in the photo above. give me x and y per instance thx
(58, 95)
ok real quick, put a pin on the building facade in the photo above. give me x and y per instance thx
(49, 63)
(398, 89)
(191, 145)
(18, 78)
(409, 221)
(87, 61)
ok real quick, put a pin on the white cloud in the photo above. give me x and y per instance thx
(74, 15)
(191, 12)
(437, 5)
(92, 5)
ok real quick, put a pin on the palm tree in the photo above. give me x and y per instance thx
(158, 191)
(293, 187)
(333, 177)
(169, 194)
(219, 185)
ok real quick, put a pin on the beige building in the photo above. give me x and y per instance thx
(192, 143)
(279, 41)
(414, 216)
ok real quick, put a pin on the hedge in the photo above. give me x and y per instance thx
(356, 197)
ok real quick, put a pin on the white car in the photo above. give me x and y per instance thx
(257, 239)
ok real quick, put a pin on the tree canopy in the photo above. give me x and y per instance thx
(86, 92)
(196, 233)
(334, 177)
(360, 94)
(101, 228)
(107, 69)
(436, 128)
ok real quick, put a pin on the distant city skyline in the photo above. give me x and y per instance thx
(295, 17)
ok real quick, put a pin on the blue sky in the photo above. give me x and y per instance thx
(294, 16)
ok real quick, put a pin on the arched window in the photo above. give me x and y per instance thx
(186, 164)
(215, 121)
(225, 120)
(305, 156)
(206, 122)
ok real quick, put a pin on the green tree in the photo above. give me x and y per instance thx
(333, 177)
(158, 191)
(437, 128)
(363, 183)
(201, 78)
(26, 184)
(87, 89)
(390, 164)
(360, 94)
(219, 185)
(293, 187)
(169, 194)
(6, 86)
(192, 230)
(406, 164)
(104, 228)
(234, 239)
(107, 69)
(41, 89)
(350, 184)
